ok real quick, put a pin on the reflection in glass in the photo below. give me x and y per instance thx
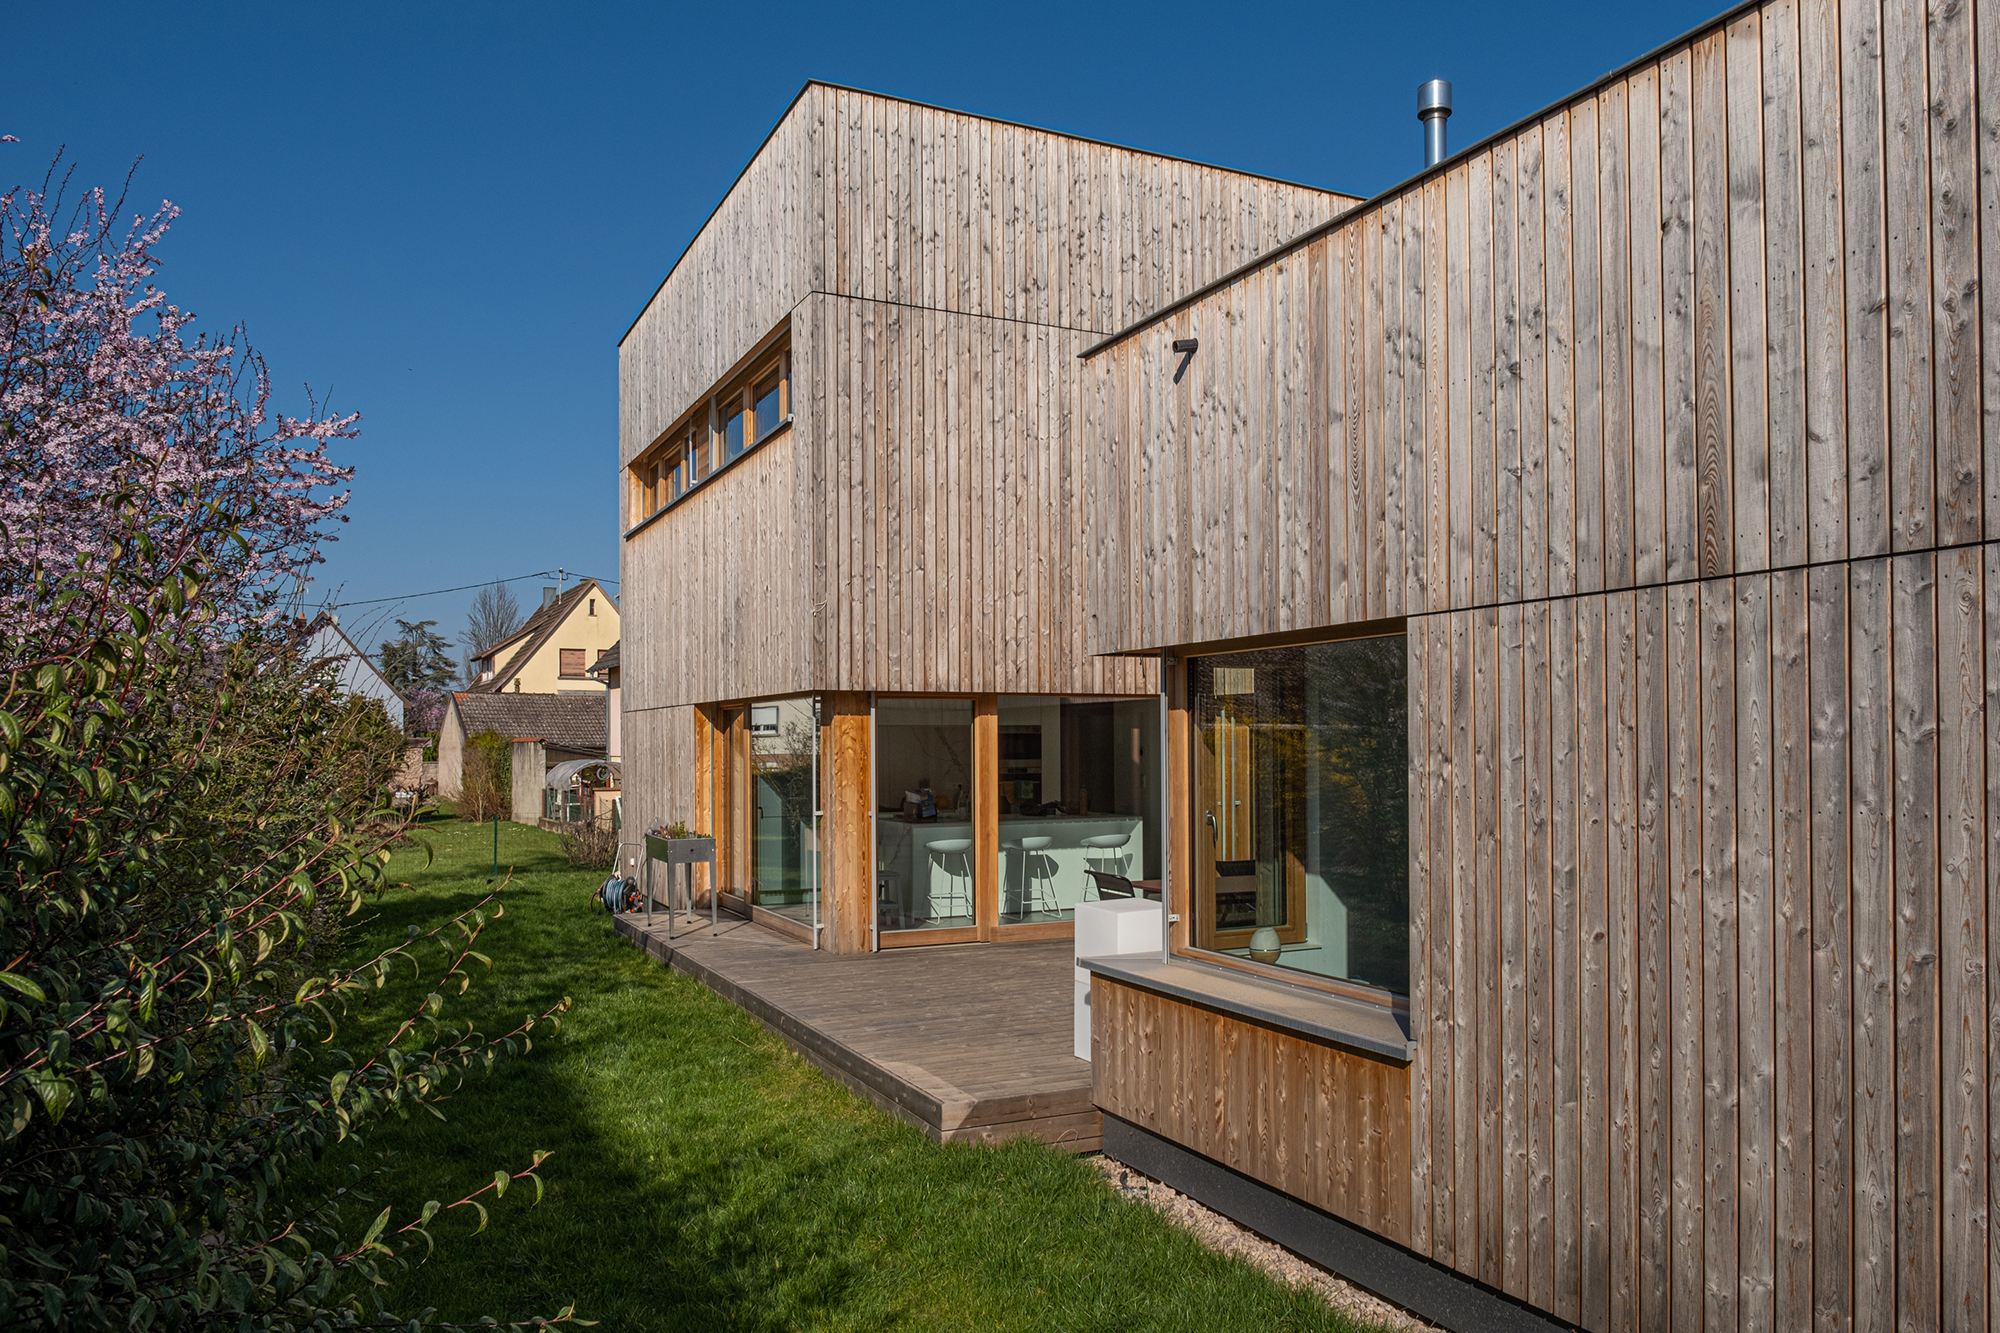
(1078, 789)
(784, 873)
(769, 413)
(1301, 815)
(729, 433)
(923, 819)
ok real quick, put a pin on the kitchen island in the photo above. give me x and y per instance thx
(922, 885)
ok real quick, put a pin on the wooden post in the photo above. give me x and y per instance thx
(736, 784)
(986, 814)
(703, 819)
(848, 894)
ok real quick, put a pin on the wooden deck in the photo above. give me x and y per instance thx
(971, 1043)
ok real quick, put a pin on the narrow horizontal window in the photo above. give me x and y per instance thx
(734, 418)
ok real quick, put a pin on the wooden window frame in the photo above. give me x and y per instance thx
(690, 453)
(1180, 783)
(562, 664)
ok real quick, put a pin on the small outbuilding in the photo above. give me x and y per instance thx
(560, 727)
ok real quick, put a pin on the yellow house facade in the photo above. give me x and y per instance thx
(553, 652)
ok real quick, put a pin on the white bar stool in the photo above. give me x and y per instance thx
(1038, 874)
(958, 883)
(1097, 855)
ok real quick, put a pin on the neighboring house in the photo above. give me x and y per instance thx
(566, 726)
(606, 670)
(1541, 628)
(325, 641)
(553, 651)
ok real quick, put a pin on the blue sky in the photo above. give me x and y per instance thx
(445, 216)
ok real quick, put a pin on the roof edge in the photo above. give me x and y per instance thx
(1404, 186)
(811, 84)
(516, 663)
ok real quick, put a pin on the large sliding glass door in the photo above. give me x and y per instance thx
(926, 875)
(1079, 799)
(784, 846)
(992, 817)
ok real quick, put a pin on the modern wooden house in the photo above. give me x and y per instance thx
(855, 543)
(1567, 585)
(1658, 433)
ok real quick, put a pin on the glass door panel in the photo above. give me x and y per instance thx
(784, 873)
(1078, 783)
(924, 862)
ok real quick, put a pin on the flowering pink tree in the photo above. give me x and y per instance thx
(131, 446)
(423, 712)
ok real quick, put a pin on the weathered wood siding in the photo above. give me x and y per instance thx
(657, 764)
(855, 194)
(949, 553)
(1724, 313)
(722, 601)
(920, 526)
(1668, 422)
(1734, 1067)
(1318, 1122)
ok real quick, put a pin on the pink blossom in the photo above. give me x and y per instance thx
(129, 447)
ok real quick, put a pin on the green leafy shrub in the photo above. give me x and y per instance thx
(188, 815)
(486, 785)
(177, 852)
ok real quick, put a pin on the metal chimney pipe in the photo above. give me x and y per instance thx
(1433, 109)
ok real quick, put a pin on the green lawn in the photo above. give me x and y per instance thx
(705, 1177)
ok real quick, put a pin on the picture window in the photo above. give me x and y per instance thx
(1301, 808)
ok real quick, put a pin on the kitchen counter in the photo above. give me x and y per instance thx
(918, 889)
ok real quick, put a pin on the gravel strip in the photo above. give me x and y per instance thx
(1219, 1233)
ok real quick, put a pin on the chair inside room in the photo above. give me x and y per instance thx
(1111, 886)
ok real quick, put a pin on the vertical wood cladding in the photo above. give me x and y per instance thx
(1669, 423)
(855, 194)
(921, 524)
(659, 755)
(1320, 1123)
(1724, 313)
(1743, 869)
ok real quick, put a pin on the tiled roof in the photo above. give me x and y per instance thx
(534, 635)
(564, 721)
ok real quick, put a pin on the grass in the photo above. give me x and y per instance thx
(704, 1177)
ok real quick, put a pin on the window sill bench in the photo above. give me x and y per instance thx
(1367, 1029)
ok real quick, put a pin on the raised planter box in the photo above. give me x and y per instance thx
(681, 851)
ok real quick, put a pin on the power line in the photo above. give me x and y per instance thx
(437, 592)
